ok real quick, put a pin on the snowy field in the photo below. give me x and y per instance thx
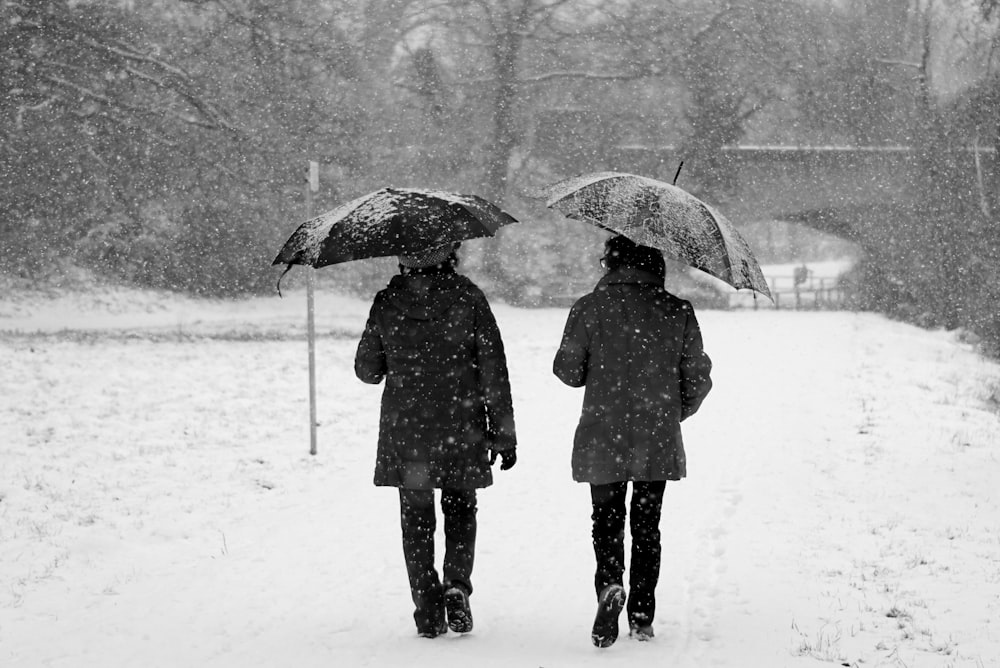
(158, 505)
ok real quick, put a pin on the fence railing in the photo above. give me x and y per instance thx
(813, 293)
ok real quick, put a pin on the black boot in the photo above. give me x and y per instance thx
(640, 627)
(456, 604)
(609, 606)
(433, 630)
(429, 614)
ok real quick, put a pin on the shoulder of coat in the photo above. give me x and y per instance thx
(682, 303)
(469, 289)
(586, 299)
(671, 298)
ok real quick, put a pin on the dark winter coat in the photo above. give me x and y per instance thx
(447, 396)
(638, 350)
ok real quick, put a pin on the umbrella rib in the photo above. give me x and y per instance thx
(719, 235)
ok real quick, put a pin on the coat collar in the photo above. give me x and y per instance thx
(425, 296)
(630, 275)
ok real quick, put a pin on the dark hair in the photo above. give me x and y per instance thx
(621, 252)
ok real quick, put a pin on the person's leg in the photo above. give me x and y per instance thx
(644, 569)
(418, 521)
(459, 509)
(608, 533)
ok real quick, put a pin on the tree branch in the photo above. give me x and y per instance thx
(568, 74)
(111, 103)
(904, 63)
(21, 109)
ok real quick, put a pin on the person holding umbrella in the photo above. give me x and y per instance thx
(638, 351)
(446, 416)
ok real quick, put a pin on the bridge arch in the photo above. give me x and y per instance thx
(857, 193)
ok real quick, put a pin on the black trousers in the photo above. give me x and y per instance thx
(419, 521)
(609, 542)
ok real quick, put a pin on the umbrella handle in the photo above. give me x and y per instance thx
(287, 269)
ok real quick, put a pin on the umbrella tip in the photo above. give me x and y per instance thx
(678, 172)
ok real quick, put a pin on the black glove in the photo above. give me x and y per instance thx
(508, 458)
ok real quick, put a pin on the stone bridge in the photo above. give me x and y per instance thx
(854, 192)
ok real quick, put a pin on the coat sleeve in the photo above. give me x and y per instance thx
(369, 361)
(494, 380)
(570, 364)
(696, 368)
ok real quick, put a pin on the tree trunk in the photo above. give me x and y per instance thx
(506, 49)
(497, 162)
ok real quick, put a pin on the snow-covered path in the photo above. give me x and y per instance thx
(158, 506)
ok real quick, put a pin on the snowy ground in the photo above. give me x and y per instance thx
(158, 505)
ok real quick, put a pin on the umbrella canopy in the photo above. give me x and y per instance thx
(391, 221)
(663, 216)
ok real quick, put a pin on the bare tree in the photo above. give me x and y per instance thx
(91, 64)
(129, 136)
(86, 97)
(497, 51)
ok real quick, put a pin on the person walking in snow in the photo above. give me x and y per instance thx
(446, 415)
(637, 349)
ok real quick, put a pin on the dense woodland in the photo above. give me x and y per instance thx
(165, 143)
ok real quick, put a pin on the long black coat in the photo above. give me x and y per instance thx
(638, 350)
(447, 396)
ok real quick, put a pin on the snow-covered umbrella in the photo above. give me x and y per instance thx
(391, 221)
(663, 216)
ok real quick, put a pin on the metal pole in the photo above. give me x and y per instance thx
(312, 187)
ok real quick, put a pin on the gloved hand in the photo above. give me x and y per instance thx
(507, 458)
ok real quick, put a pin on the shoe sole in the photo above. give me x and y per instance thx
(605, 631)
(457, 606)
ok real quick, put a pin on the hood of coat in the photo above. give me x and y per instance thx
(630, 275)
(426, 296)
